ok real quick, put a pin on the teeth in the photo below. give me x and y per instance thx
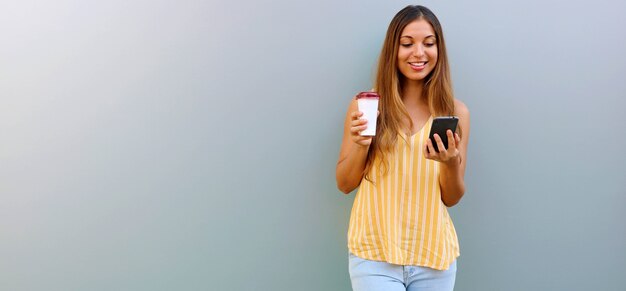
(418, 64)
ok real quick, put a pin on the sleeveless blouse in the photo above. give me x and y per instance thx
(399, 217)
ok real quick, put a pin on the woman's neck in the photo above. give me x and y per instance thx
(412, 93)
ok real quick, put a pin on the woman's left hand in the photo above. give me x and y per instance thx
(449, 156)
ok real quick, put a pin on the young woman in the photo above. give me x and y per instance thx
(400, 235)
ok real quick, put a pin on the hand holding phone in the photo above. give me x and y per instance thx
(439, 126)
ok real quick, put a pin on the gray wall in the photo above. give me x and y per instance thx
(191, 145)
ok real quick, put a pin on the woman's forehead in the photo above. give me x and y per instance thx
(418, 29)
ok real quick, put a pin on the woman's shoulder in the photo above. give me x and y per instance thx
(460, 109)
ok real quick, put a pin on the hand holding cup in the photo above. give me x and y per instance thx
(363, 126)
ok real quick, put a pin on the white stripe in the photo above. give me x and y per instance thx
(409, 192)
(438, 232)
(373, 243)
(432, 207)
(378, 217)
(353, 221)
(397, 205)
(388, 232)
(402, 193)
(384, 219)
(447, 250)
(418, 195)
(359, 233)
(423, 221)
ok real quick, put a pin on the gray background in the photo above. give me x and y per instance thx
(191, 145)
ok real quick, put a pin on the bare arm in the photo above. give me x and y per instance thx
(453, 160)
(353, 153)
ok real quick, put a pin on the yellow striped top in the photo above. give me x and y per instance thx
(400, 218)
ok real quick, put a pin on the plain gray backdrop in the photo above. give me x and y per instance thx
(191, 145)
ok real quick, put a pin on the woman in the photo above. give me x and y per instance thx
(400, 235)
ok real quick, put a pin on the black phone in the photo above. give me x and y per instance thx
(440, 125)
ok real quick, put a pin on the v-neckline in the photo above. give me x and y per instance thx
(421, 128)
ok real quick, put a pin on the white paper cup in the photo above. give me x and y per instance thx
(368, 104)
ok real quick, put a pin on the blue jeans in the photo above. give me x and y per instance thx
(369, 275)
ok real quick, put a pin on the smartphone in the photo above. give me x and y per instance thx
(440, 125)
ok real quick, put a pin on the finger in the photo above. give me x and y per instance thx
(358, 122)
(426, 151)
(440, 145)
(356, 115)
(358, 129)
(451, 140)
(430, 149)
(377, 112)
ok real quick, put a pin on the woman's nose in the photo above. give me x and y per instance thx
(419, 51)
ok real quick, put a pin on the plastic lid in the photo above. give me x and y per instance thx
(368, 95)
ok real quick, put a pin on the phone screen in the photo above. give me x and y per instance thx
(440, 125)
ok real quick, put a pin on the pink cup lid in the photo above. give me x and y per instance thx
(368, 95)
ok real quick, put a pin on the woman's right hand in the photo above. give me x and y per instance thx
(357, 125)
(354, 149)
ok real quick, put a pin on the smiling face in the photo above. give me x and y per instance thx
(417, 52)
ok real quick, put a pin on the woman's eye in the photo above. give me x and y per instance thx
(429, 44)
(406, 44)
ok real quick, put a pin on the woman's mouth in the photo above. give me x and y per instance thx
(418, 66)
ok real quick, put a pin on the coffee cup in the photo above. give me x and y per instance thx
(368, 104)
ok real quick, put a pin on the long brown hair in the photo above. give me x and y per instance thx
(437, 85)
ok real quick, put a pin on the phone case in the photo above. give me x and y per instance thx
(440, 125)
